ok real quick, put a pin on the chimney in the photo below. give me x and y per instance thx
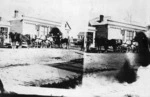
(101, 18)
(16, 13)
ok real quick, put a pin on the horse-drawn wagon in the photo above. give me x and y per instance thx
(52, 39)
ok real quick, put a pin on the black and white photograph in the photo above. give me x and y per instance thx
(74, 48)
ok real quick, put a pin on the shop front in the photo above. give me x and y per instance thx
(4, 35)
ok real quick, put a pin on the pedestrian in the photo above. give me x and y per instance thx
(12, 36)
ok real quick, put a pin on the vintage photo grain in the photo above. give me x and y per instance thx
(74, 48)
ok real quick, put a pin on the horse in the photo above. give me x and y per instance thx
(15, 37)
(26, 39)
(13, 40)
(45, 43)
(101, 41)
(65, 41)
(49, 41)
(114, 43)
(20, 39)
(37, 43)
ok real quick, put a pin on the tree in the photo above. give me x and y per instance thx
(129, 17)
(55, 32)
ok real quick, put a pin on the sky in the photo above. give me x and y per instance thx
(78, 12)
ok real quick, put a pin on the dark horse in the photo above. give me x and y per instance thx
(65, 41)
(143, 48)
(15, 37)
(18, 37)
(114, 43)
(101, 41)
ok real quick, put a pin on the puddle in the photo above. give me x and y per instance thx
(57, 58)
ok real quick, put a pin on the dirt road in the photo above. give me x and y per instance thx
(38, 67)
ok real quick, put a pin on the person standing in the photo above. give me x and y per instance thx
(13, 39)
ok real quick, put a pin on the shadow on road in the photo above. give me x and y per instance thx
(75, 65)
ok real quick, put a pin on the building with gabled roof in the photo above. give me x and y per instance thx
(112, 29)
(80, 35)
(37, 26)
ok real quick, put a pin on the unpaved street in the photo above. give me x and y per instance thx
(36, 67)
(101, 69)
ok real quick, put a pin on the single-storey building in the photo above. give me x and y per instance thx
(80, 35)
(112, 29)
(36, 26)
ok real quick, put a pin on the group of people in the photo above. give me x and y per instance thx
(103, 44)
(20, 40)
(44, 41)
(119, 45)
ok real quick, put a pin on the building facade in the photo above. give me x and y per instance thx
(80, 35)
(112, 29)
(36, 26)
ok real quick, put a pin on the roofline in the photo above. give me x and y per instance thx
(129, 27)
(42, 22)
(68, 25)
(42, 19)
(24, 18)
(125, 23)
(81, 33)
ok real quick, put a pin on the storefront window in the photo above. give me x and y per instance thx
(129, 35)
(123, 34)
(43, 30)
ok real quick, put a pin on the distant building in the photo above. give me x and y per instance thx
(36, 26)
(4, 30)
(112, 29)
(65, 29)
(80, 35)
(90, 36)
(73, 41)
